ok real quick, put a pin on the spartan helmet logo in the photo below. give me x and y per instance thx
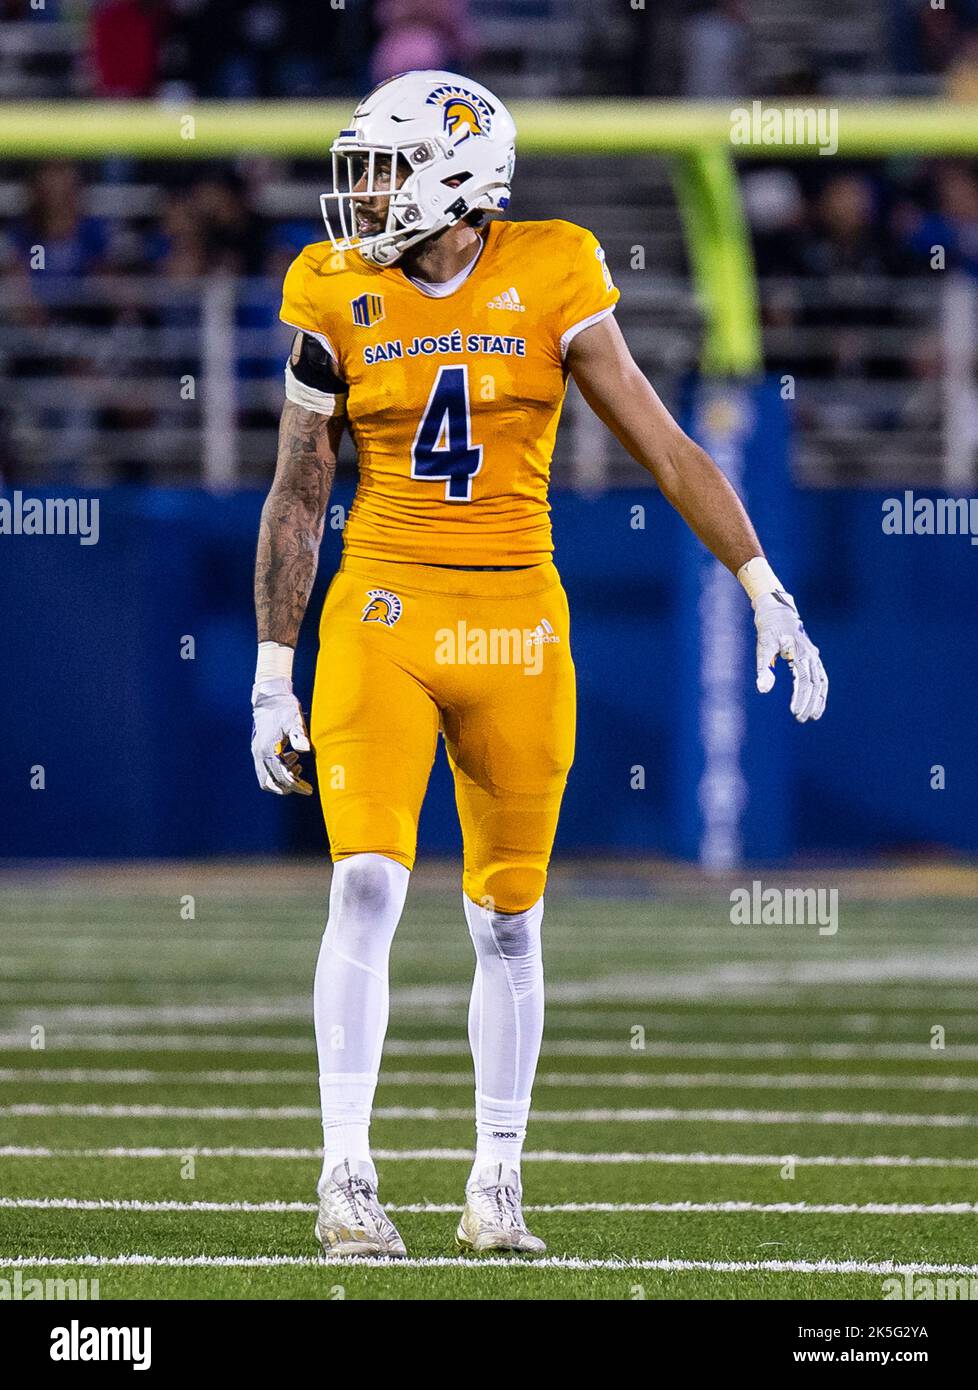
(459, 115)
(382, 607)
(464, 112)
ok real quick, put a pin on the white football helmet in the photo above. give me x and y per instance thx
(453, 141)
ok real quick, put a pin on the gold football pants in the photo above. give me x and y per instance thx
(406, 650)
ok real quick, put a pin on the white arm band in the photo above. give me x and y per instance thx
(274, 661)
(758, 577)
(321, 402)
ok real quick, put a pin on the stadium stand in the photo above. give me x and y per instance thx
(176, 273)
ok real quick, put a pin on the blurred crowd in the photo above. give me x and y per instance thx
(89, 314)
(921, 39)
(840, 248)
(854, 228)
(253, 48)
(937, 38)
(837, 252)
(206, 222)
(707, 49)
(269, 48)
(809, 224)
(852, 264)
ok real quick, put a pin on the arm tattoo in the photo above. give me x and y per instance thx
(292, 522)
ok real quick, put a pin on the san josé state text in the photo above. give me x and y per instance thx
(446, 342)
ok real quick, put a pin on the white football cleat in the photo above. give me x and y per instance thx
(351, 1222)
(492, 1218)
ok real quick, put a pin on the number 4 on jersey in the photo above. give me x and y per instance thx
(443, 446)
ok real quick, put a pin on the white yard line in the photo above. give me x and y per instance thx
(444, 1208)
(658, 1115)
(788, 1081)
(20, 1041)
(14, 1041)
(730, 979)
(306, 1155)
(559, 1262)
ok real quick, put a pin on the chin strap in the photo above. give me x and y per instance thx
(385, 252)
(382, 255)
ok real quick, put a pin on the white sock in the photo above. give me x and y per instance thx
(351, 999)
(505, 1028)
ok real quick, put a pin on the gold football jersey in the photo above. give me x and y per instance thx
(453, 402)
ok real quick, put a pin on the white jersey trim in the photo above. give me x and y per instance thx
(441, 289)
(568, 337)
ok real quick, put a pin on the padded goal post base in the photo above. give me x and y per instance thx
(735, 792)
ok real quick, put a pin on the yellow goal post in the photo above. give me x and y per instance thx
(703, 140)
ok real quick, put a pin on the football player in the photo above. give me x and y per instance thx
(443, 338)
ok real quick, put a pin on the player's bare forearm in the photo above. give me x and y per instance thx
(705, 499)
(292, 522)
(621, 396)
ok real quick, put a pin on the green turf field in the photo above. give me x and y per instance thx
(164, 1139)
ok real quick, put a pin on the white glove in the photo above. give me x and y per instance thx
(780, 633)
(277, 720)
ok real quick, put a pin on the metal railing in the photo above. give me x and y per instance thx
(180, 381)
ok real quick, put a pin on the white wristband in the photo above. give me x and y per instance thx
(274, 660)
(758, 577)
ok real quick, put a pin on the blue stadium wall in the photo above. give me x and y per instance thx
(145, 753)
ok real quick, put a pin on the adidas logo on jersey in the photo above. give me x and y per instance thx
(543, 632)
(508, 299)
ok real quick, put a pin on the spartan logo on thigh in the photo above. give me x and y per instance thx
(382, 607)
